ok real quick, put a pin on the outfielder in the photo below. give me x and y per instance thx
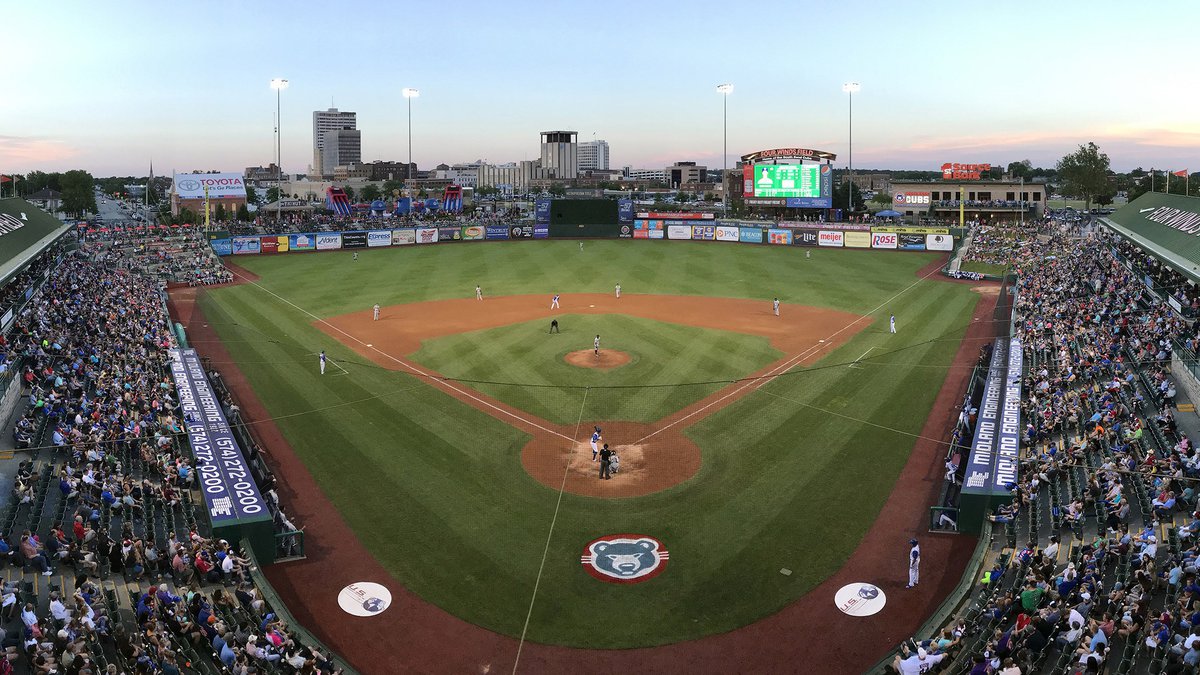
(478, 292)
(596, 442)
(554, 302)
(376, 311)
(322, 362)
(775, 306)
(618, 291)
(892, 323)
(596, 345)
(914, 563)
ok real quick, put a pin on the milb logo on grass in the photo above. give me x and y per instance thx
(624, 558)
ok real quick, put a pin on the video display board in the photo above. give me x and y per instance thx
(787, 180)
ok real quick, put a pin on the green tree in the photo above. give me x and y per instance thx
(243, 214)
(1085, 173)
(557, 190)
(391, 187)
(839, 196)
(219, 214)
(272, 194)
(186, 216)
(486, 191)
(349, 192)
(251, 194)
(78, 192)
(1021, 169)
(882, 198)
(370, 192)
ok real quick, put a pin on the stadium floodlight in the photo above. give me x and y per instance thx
(278, 84)
(409, 93)
(725, 89)
(850, 88)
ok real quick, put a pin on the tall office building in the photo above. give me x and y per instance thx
(329, 120)
(593, 155)
(340, 147)
(560, 153)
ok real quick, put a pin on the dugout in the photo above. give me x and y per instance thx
(584, 218)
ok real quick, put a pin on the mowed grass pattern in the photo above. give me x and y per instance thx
(792, 475)
(661, 353)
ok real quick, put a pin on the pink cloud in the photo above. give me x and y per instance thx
(35, 152)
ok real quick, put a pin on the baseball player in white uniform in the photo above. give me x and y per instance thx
(376, 311)
(914, 563)
(618, 291)
(478, 292)
(554, 302)
(322, 362)
(596, 442)
(596, 345)
(775, 306)
(892, 323)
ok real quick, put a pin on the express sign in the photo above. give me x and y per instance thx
(954, 171)
(912, 199)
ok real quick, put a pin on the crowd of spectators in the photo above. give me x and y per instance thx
(113, 504)
(179, 256)
(1106, 494)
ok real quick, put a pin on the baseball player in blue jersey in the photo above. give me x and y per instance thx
(596, 443)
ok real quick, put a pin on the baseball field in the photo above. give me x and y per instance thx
(452, 433)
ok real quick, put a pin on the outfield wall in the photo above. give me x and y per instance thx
(810, 234)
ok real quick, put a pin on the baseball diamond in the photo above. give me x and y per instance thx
(736, 430)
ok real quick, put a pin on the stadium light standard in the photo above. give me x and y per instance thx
(726, 90)
(850, 88)
(409, 93)
(278, 84)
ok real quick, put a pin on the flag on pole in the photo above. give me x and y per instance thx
(1182, 174)
(1168, 177)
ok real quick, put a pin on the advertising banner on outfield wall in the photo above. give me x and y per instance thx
(541, 212)
(246, 245)
(624, 210)
(779, 237)
(726, 233)
(429, 235)
(354, 240)
(910, 229)
(472, 233)
(804, 237)
(704, 232)
(939, 242)
(222, 246)
(225, 479)
(541, 231)
(302, 242)
(911, 242)
(521, 232)
(857, 239)
(981, 463)
(831, 238)
(679, 232)
(884, 240)
(379, 238)
(407, 236)
(329, 242)
(269, 245)
(648, 229)
(626, 231)
(449, 234)
(1009, 435)
(750, 235)
(495, 232)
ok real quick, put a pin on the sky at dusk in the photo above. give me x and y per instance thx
(108, 87)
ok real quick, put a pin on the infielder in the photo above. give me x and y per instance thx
(478, 292)
(596, 442)
(892, 323)
(914, 563)
(596, 345)
(618, 291)
(554, 302)
(375, 311)
(322, 362)
(775, 306)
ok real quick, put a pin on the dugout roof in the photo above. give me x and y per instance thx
(1168, 226)
(25, 231)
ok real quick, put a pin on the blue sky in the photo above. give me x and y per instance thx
(110, 86)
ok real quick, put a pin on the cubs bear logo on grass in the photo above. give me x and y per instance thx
(624, 558)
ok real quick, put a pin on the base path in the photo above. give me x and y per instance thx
(414, 636)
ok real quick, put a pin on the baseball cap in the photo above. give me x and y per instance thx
(912, 542)
(921, 653)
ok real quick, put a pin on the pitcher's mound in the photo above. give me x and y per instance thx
(607, 359)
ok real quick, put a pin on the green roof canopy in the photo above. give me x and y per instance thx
(1166, 225)
(25, 231)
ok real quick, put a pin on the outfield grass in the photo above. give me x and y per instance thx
(983, 268)
(436, 491)
(662, 353)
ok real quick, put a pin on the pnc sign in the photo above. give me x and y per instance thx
(955, 171)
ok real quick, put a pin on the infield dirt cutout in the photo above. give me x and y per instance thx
(654, 456)
(607, 359)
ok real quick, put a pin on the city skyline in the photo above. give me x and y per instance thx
(940, 83)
